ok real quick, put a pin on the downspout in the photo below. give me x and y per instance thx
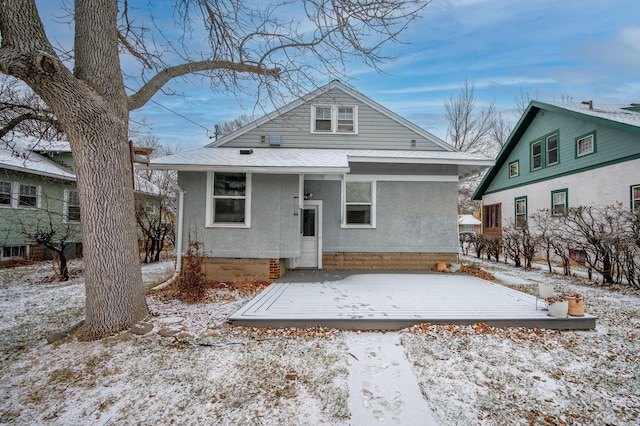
(179, 226)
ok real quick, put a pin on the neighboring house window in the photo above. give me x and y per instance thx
(359, 206)
(635, 198)
(467, 228)
(559, 202)
(150, 208)
(514, 169)
(334, 119)
(5, 193)
(585, 145)
(229, 199)
(28, 196)
(9, 252)
(552, 149)
(491, 216)
(521, 212)
(71, 206)
(536, 155)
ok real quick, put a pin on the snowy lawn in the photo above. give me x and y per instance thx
(210, 373)
(481, 375)
(206, 373)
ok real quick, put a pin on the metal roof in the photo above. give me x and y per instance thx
(303, 160)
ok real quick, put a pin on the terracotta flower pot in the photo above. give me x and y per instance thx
(576, 305)
(441, 266)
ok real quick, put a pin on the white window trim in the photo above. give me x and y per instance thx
(26, 255)
(582, 154)
(65, 207)
(363, 178)
(16, 196)
(209, 211)
(11, 195)
(334, 119)
(634, 208)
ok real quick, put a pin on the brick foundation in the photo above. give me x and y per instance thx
(385, 261)
(242, 269)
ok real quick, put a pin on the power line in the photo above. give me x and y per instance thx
(209, 131)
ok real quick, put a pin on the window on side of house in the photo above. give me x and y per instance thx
(559, 202)
(536, 155)
(521, 212)
(585, 145)
(552, 149)
(359, 206)
(635, 198)
(346, 122)
(514, 169)
(229, 199)
(491, 216)
(11, 252)
(6, 190)
(334, 119)
(28, 196)
(322, 119)
(71, 206)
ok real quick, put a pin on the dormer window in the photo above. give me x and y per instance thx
(341, 119)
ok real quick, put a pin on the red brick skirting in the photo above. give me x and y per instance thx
(385, 261)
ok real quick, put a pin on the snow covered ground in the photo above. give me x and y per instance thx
(210, 373)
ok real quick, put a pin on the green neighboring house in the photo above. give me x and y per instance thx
(37, 193)
(563, 155)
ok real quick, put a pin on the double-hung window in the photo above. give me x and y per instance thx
(552, 149)
(323, 119)
(536, 155)
(491, 216)
(521, 212)
(71, 206)
(585, 145)
(359, 204)
(635, 198)
(6, 189)
(28, 196)
(229, 199)
(559, 202)
(341, 119)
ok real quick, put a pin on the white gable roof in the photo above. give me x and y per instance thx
(335, 84)
(19, 157)
(468, 219)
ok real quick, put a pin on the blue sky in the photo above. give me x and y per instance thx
(586, 49)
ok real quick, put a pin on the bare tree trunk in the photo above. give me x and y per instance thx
(92, 106)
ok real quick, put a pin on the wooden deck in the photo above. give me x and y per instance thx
(392, 301)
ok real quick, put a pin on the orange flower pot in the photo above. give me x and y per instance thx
(441, 266)
(576, 305)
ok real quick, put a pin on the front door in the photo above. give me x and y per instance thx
(311, 256)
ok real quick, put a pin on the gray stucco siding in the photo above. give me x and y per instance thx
(376, 130)
(274, 230)
(411, 217)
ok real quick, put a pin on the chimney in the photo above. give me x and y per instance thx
(590, 103)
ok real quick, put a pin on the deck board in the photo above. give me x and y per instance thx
(368, 301)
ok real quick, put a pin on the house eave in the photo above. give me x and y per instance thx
(37, 172)
(248, 169)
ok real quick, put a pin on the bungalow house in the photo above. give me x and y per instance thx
(561, 155)
(469, 224)
(332, 180)
(37, 192)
